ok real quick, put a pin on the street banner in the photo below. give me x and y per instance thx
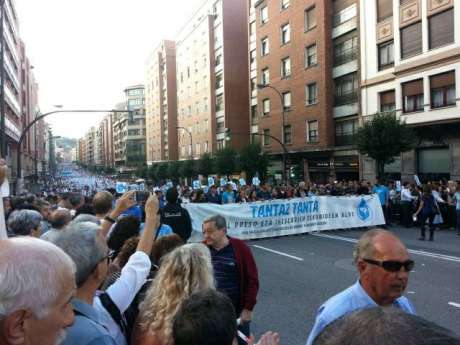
(294, 216)
(242, 182)
(196, 184)
(210, 181)
(121, 187)
(255, 181)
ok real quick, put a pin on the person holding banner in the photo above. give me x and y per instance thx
(235, 269)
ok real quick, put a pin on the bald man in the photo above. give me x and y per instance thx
(383, 264)
(58, 220)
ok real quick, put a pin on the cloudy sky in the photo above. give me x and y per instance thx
(84, 52)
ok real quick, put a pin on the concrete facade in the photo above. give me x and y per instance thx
(436, 120)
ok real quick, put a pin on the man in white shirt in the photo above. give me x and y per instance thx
(406, 205)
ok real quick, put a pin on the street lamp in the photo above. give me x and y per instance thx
(285, 152)
(191, 140)
(38, 118)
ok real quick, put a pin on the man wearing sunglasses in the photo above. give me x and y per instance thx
(383, 264)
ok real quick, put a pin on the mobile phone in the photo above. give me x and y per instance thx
(141, 196)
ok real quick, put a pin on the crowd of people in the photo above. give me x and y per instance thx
(119, 269)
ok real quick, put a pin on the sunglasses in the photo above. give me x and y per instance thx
(392, 266)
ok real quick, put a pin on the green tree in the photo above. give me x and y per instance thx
(162, 171)
(187, 168)
(383, 138)
(252, 160)
(152, 173)
(142, 171)
(173, 170)
(226, 161)
(205, 165)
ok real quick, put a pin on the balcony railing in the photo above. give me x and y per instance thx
(346, 98)
(345, 56)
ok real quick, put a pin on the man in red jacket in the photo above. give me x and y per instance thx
(235, 269)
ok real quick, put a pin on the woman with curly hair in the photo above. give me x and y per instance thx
(184, 271)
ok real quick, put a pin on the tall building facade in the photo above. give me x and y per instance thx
(212, 79)
(161, 104)
(410, 53)
(304, 84)
(129, 130)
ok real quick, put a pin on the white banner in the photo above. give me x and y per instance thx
(293, 216)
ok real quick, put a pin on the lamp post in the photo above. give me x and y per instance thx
(38, 118)
(285, 152)
(191, 140)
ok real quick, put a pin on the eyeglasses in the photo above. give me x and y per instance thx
(392, 266)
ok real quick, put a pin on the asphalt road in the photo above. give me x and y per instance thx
(320, 265)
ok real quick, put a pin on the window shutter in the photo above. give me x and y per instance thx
(441, 29)
(413, 88)
(387, 97)
(340, 5)
(411, 40)
(384, 9)
(442, 80)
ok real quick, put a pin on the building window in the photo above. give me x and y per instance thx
(218, 60)
(346, 89)
(252, 56)
(310, 56)
(311, 92)
(442, 88)
(345, 48)
(345, 132)
(386, 55)
(206, 147)
(254, 115)
(287, 102)
(266, 137)
(219, 81)
(286, 67)
(287, 134)
(344, 15)
(384, 9)
(264, 47)
(310, 18)
(441, 29)
(413, 96)
(219, 103)
(312, 131)
(387, 101)
(285, 4)
(252, 28)
(264, 15)
(265, 76)
(411, 40)
(285, 33)
(266, 106)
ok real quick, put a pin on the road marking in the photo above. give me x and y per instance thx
(453, 304)
(412, 251)
(279, 253)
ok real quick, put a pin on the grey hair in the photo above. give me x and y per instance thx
(86, 218)
(82, 243)
(218, 220)
(384, 326)
(32, 273)
(365, 246)
(22, 222)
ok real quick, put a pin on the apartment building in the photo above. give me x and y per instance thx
(107, 141)
(410, 55)
(90, 138)
(129, 130)
(212, 79)
(304, 84)
(161, 104)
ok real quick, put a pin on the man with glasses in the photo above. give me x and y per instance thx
(383, 264)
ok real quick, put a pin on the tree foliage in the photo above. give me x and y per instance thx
(252, 160)
(187, 168)
(205, 165)
(383, 138)
(173, 170)
(226, 161)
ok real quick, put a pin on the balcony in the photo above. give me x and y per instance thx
(345, 56)
(344, 21)
(346, 98)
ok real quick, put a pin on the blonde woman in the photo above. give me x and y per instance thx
(184, 271)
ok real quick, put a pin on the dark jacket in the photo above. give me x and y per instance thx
(249, 277)
(178, 219)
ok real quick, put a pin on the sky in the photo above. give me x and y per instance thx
(85, 52)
